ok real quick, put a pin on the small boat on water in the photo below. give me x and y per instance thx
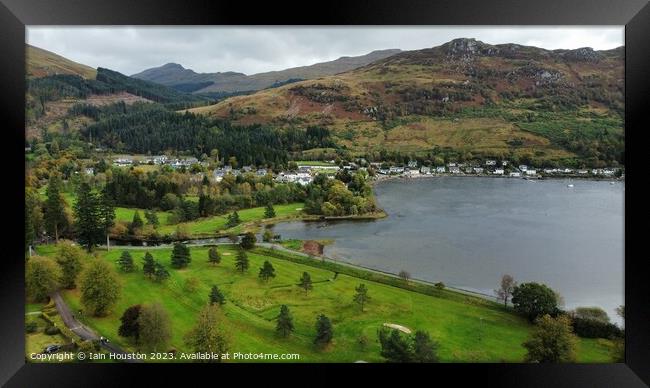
(569, 185)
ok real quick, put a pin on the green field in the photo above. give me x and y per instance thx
(314, 163)
(467, 328)
(210, 225)
(125, 214)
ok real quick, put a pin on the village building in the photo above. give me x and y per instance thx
(440, 169)
(490, 162)
(523, 167)
(478, 170)
(425, 170)
(413, 164)
(531, 172)
(498, 171)
(515, 174)
(454, 170)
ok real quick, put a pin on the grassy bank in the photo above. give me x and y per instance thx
(467, 328)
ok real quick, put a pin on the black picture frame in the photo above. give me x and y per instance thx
(15, 14)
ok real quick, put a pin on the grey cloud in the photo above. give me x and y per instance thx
(258, 49)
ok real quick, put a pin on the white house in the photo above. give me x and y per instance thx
(441, 169)
(515, 174)
(523, 167)
(90, 171)
(425, 170)
(582, 172)
(454, 170)
(531, 172)
(396, 170)
(504, 163)
(478, 170)
(490, 162)
(413, 164)
(498, 171)
(261, 172)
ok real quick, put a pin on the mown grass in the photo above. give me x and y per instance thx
(125, 214)
(467, 328)
(210, 225)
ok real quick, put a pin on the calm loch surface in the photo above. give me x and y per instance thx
(468, 231)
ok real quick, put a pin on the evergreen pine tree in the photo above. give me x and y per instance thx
(54, 211)
(160, 272)
(285, 322)
(233, 220)
(361, 297)
(216, 296)
(323, 330)
(267, 271)
(305, 282)
(269, 212)
(148, 266)
(213, 256)
(241, 262)
(136, 224)
(88, 214)
(180, 256)
(126, 262)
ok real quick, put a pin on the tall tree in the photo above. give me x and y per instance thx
(534, 300)
(324, 332)
(54, 214)
(216, 296)
(160, 273)
(504, 292)
(233, 220)
(180, 256)
(155, 327)
(552, 340)
(136, 224)
(284, 326)
(148, 265)
(241, 262)
(100, 287)
(70, 258)
(267, 271)
(208, 335)
(305, 282)
(152, 218)
(269, 212)
(89, 222)
(248, 241)
(213, 256)
(394, 346)
(130, 326)
(361, 296)
(106, 214)
(125, 262)
(424, 348)
(41, 278)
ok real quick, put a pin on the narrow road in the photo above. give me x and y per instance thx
(79, 328)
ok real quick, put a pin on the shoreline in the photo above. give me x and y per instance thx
(538, 177)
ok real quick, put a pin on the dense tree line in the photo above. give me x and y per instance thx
(332, 197)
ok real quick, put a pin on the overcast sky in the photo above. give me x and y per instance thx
(252, 50)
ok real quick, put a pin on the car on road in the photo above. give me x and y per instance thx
(52, 349)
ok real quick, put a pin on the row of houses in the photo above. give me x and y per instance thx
(158, 160)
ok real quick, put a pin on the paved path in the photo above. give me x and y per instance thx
(79, 328)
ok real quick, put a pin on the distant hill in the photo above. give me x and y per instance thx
(465, 96)
(176, 76)
(41, 63)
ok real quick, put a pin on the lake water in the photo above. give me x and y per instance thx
(467, 232)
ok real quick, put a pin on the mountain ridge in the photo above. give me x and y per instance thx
(173, 74)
